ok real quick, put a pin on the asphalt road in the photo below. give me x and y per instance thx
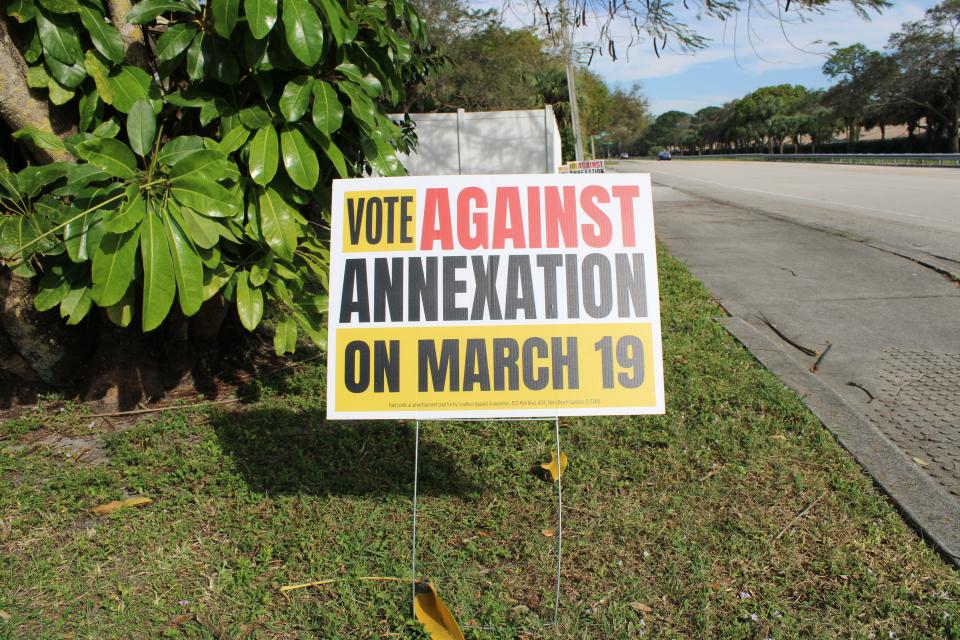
(839, 280)
(913, 208)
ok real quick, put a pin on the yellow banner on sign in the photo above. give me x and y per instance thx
(380, 220)
(501, 367)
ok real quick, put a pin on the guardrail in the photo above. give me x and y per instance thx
(889, 159)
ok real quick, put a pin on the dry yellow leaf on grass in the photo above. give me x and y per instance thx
(434, 615)
(104, 509)
(4, 615)
(642, 608)
(556, 471)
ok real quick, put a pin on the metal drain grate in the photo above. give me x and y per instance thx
(918, 407)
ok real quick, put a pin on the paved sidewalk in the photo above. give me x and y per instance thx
(887, 328)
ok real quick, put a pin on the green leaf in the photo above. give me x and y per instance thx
(75, 235)
(40, 139)
(303, 31)
(313, 327)
(145, 11)
(107, 129)
(59, 37)
(89, 108)
(233, 140)
(22, 10)
(249, 302)
(121, 314)
(255, 117)
(37, 77)
(225, 16)
(360, 105)
(178, 149)
(264, 156)
(213, 59)
(210, 256)
(261, 16)
(52, 288)
(96, 66)
(59, 94)
(32, 48)
(336, 19)
(70, 76)
(214, 280)
(34, 178)
(111, 155)
(296, 98)
(141, 128)
(205, 197)
(204, 231)
(128, 84)
(175, 41)
(331, 150)
(15, 233)
(187, 265)
(278, 223)
(113, 266)
(204, 164)
(159, 283)
(285, 336)
(382, 157)
(129, 215)
(80, 176)
(76, 304)
(299, 159)
(327, 110)
(105, 36)
(60, 6)
(8, 181)
(260, 270)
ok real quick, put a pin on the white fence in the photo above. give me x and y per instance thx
(485, 142)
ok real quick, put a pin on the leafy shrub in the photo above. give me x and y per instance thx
(201, 163)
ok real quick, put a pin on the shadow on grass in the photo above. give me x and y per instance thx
(286, 451)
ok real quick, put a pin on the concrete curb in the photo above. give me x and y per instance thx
(922, 500)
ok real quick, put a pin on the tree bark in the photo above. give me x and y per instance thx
(132, 35)
(39, 339)
(20, 108)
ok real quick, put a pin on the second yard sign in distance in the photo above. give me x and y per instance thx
(493, 296)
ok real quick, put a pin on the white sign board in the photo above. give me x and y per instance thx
(493, 296)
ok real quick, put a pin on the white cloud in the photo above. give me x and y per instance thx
(756, 40)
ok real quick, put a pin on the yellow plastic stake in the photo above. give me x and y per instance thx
(556, 470)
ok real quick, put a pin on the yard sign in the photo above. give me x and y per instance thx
(493, 296)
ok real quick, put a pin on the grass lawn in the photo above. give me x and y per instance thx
(676, 526)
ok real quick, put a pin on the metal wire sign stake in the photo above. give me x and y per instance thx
(493, 297)
(559, 483)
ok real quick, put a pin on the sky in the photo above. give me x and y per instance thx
(734, 64)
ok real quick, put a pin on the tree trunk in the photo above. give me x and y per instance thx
(40, 339)
(132, 35)
(20, 108)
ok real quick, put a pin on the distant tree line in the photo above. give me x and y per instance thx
(490, 67)
(914, 83)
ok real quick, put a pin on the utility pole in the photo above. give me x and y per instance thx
(566, 40)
